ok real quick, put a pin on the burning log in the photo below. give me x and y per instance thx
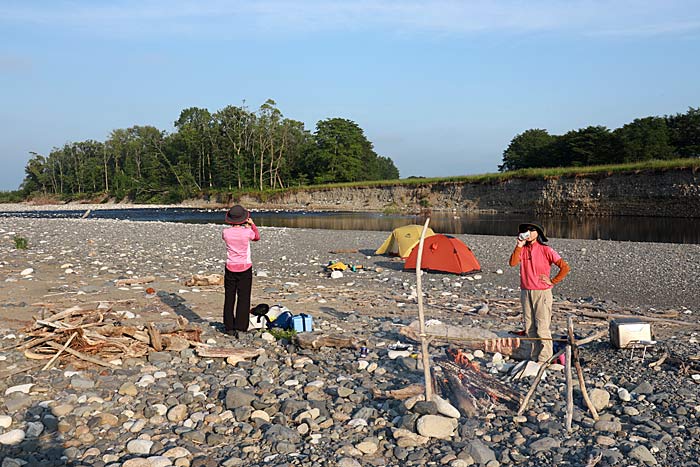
(471, 389)
(465, 401)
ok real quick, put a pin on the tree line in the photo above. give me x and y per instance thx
(668, 137)
(231, 149)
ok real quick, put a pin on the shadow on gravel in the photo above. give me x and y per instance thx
(41, 445)
(179, 306)
(393, 265)
(334, 313)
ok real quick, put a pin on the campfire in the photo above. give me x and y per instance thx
(472, 390)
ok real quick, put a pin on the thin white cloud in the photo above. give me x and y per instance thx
(235, 18)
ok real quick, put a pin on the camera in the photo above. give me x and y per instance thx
(524, 236)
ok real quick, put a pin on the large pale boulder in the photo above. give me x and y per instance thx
(436, 426)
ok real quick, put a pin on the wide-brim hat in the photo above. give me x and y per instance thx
(538, 227)
(237, 215)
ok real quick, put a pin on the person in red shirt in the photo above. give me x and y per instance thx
(238, 276)
(535, 260)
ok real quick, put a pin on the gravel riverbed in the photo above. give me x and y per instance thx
(324, 407)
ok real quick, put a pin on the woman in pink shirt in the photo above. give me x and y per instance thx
(238, 278)
(535, 260)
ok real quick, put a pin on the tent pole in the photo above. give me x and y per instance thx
(421, 318)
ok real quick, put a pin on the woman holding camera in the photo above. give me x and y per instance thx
(535, 260)
(238, 278)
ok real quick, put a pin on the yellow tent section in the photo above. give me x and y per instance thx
(402, 240)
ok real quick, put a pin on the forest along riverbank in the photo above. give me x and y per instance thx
(324, 406)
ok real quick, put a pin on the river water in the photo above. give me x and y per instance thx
(636, 229)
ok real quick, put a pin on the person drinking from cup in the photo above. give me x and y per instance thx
(535, 259)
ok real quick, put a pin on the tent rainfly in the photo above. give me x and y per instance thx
(444, 254)
(402, 240)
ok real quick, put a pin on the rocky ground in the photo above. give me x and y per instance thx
(327, 406)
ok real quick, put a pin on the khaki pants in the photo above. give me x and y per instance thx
(537, 315)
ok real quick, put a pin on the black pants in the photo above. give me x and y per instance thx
(237, 286)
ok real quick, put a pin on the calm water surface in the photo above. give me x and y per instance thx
(637, 229)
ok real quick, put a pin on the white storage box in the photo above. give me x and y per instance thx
(625, 332)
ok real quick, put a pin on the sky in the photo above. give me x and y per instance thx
(440, 86)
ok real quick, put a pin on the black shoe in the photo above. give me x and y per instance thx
(231, 332)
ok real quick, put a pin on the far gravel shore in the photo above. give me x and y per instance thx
(75, 206)
(624, 274)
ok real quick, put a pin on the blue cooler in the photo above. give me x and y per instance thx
(303, 323)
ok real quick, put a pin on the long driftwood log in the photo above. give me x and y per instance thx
(309, 340)
(135, 281)
(400, 394)
(205, 280)
(82, 356)
(467, 337)
(225, 352)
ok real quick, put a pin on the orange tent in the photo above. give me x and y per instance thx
(446, 254)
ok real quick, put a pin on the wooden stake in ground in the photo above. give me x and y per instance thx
(579, 370)
(421, 318)
(569, 389)
(533, 387)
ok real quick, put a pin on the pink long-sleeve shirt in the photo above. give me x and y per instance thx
(535, 259)
(238, 238)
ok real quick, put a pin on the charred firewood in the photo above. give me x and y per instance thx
(471, 389)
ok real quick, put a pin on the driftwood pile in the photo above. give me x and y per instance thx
(97, 335)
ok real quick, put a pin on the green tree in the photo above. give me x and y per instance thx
(386, 170)
(267, 142)
(292, 140)
(36, 175)
(527, 150)
(341, 149)
(684, 132)
(644, 139)
(195, 128)
(236, 126)
(585, 146)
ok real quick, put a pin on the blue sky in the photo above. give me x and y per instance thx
(441, 87)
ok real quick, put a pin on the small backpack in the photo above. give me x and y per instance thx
(259, 318)
(284, 320)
